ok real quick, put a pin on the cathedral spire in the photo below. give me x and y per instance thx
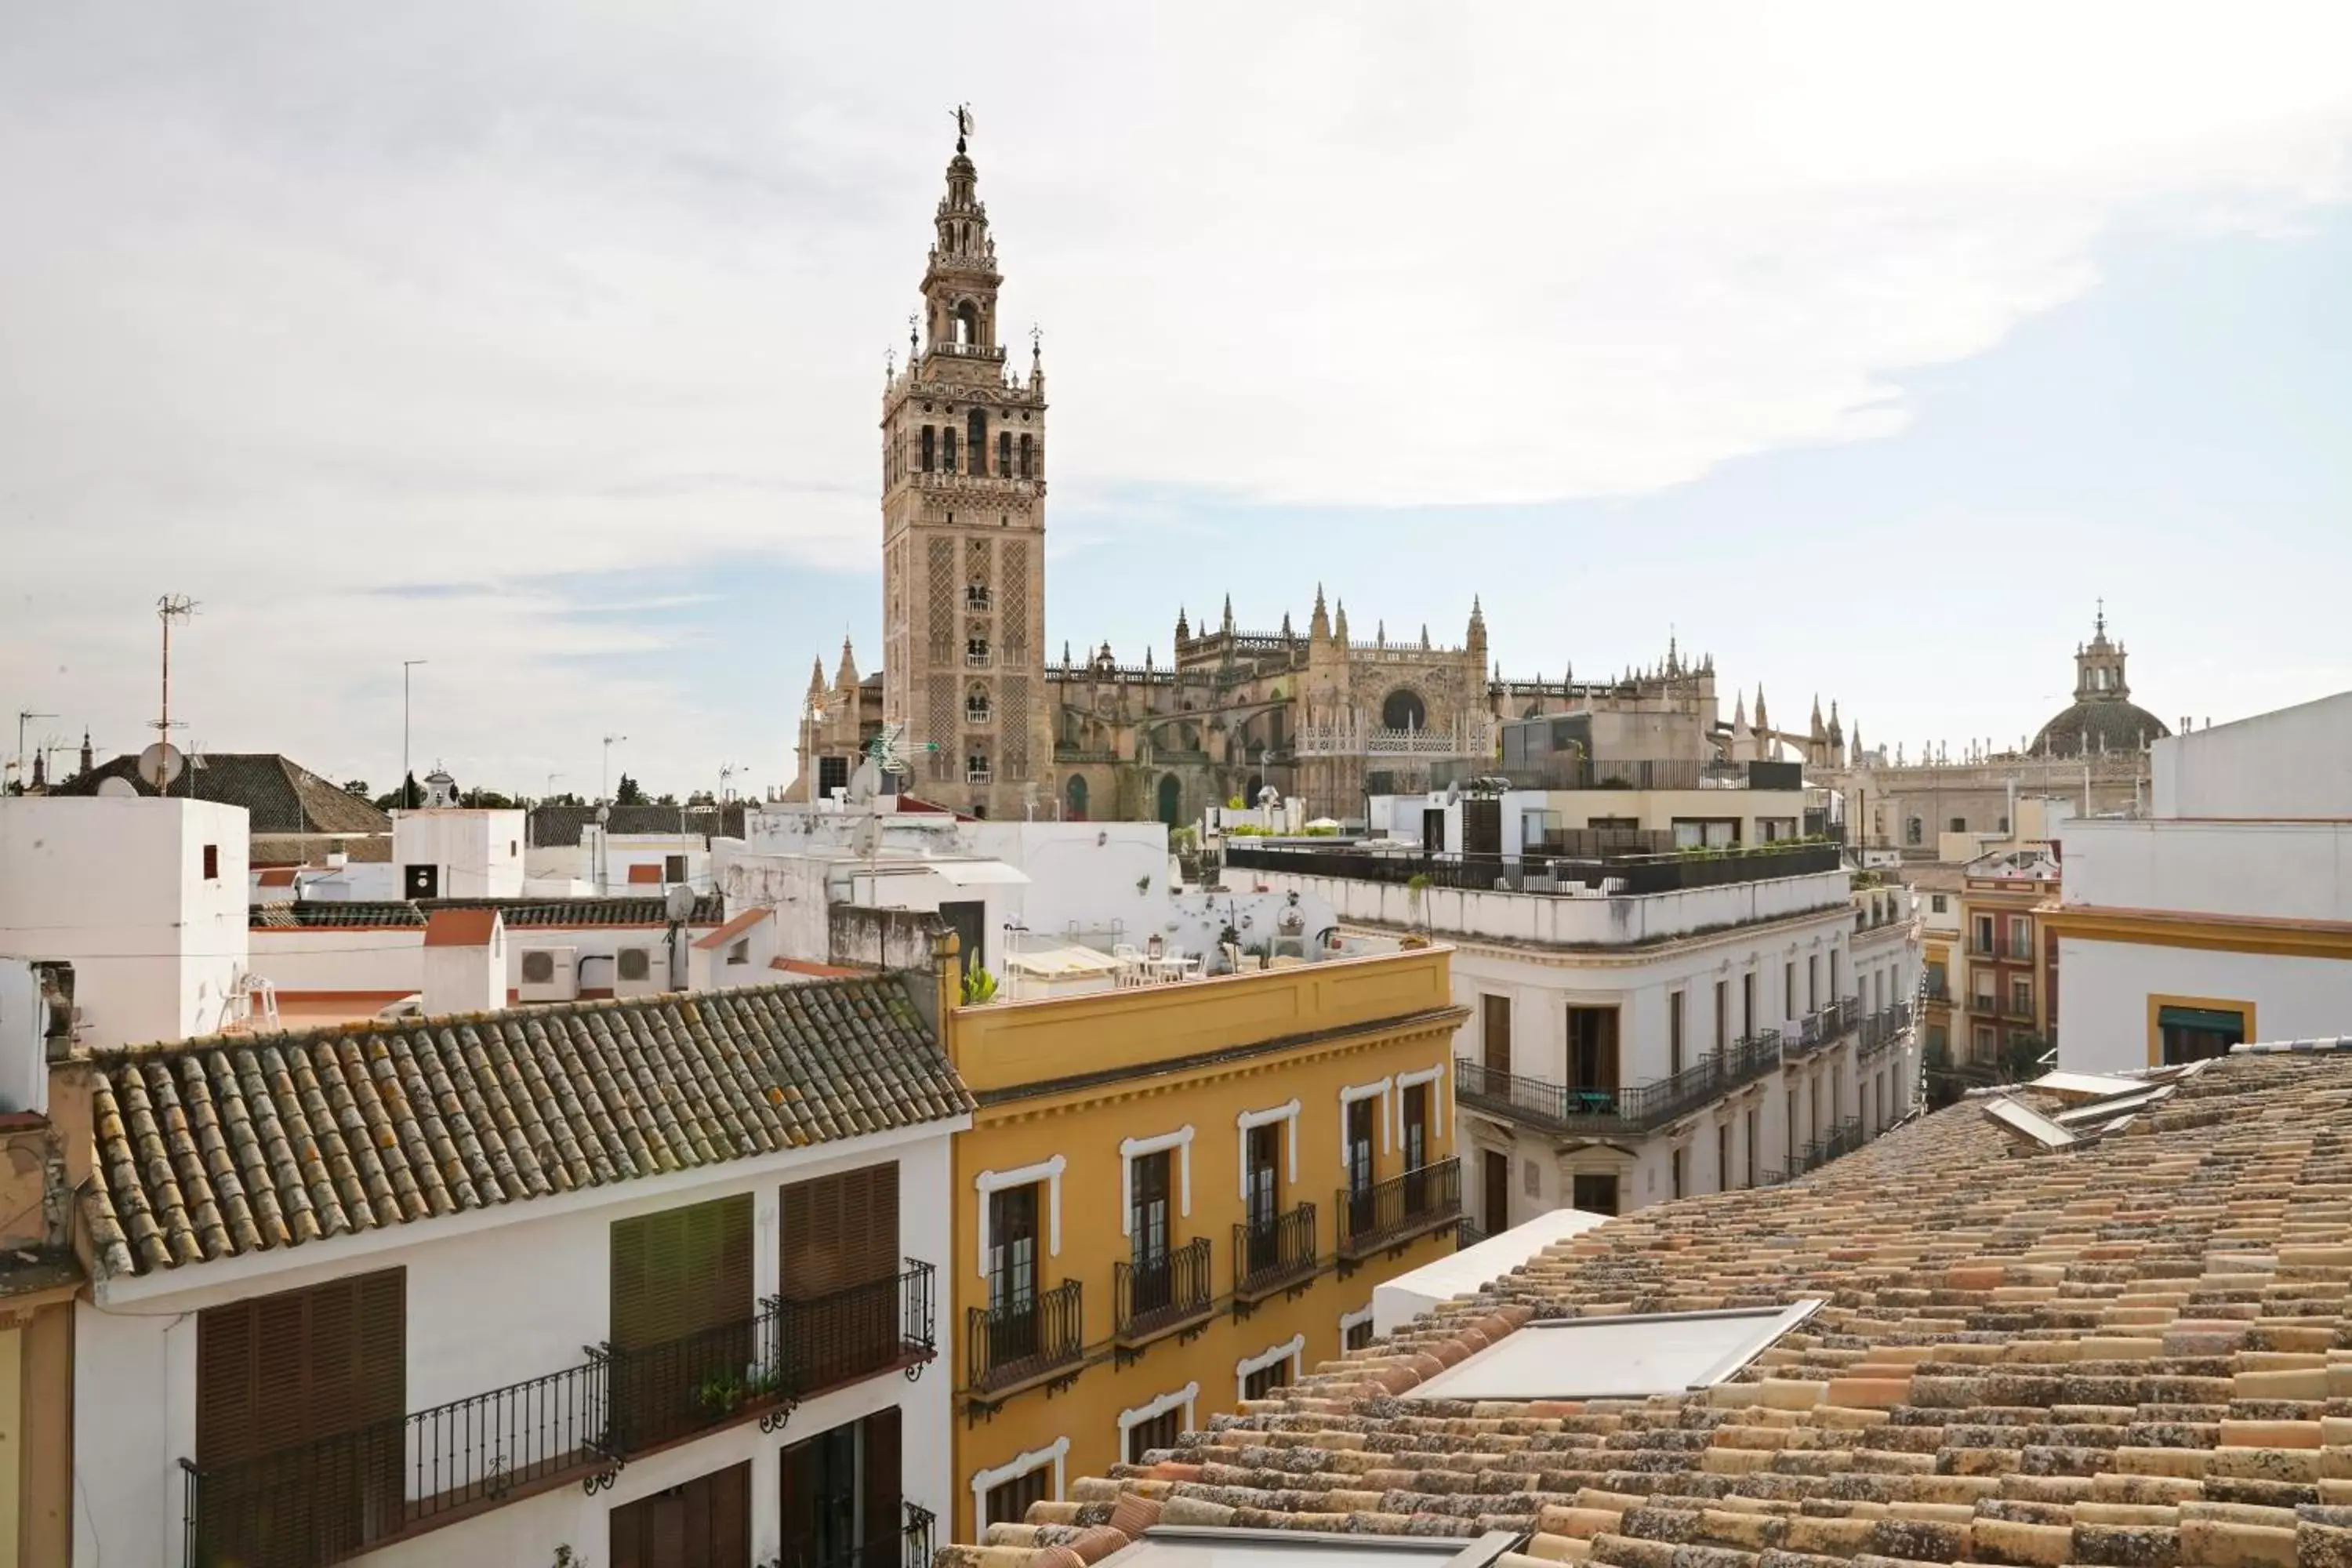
(1183, 629)
(1229, 614)
(1319, 626)
(848, 676)
(1340, 624)
(816, 678)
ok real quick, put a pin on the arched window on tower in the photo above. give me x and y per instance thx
(1004, 451)
(977, 423)
(966, 323)
(930, 438)
(947, 449)
(1025, 458)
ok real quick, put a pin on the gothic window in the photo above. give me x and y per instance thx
(975, 768)
(966, 323)
(975, 652)
(1913, 830)
(1077, 810)
(1004, 451)
(930, 438)
(1025, 457)
(975, 704)
(978, 423)
(1404, 710)
(947, 449)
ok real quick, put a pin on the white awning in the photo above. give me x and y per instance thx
(975, 873)
(1062, 963)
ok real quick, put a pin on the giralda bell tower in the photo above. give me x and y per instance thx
(964, 531)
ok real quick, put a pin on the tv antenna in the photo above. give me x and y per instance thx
(726, 771)
(24, 773)
(169, 608)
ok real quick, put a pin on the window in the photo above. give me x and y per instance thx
(1982, 1048)
(840, 1494)
(1495, 1024)
(1722, 1015)
(1960, 824)
(2002, 826)
(1025, 458)
(948, 449)
(1939, 1039)
(2020, 996)
(975, 652)
(975, 768)
(975, 707)
(1812, 982)
(1260, 1384)
(1592, 1048)
(212, 862)
(1708, 832)
(1722, 1157)
(1673, 1033)
(2020, 937)
(1593, 1195)
(976, 596)
(1627, 1357)
(1159, 1431)
(1008, 1502)
(2193, 1034)
(1748, 1003)
(678, 1273)
(839, 1241)
(673, 868)
(1788, 990)
(977, 423)
(1357, 1335)
(930, 455)
(1004, 452)
(1012, 1263)
(1747, 1131)
(1914, 830)
(1980, 934)
(1680, 1161)
(1360, 1142)
(739, 953)
(1147, 1229)
(832, 773)
(1936, 902)
(274, 1372)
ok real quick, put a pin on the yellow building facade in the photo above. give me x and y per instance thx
(1174, 1197)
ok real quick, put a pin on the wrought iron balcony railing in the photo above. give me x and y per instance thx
(1388, 1213)
(1565, 1107)
(1273, 1254)
(1026, 1337)
(1160, 1292)
(337, 1496)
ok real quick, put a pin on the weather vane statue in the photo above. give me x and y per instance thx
(963, 123)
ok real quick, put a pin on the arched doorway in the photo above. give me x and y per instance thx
(1404, 710)
(1074, 795)
(1171, 800)
(1256, 783)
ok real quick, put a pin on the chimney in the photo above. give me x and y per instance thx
(465, 962)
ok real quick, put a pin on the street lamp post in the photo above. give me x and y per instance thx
(406, 665)
(604, 819)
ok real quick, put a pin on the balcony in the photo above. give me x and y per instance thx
(1935, 988)
(909, 1546)
(1392, 1212)
(976, 597)
(1843, 1139)
(1273, 1255)
(1028, 1340)
(1618, 1112)
(336, 1496)
(1882, 1029)
(1160, 1293)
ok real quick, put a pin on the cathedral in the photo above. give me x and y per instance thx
(991, 725)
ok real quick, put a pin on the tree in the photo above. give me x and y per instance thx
(356, 786)
(2024, 1056)
(703, 797)
(487, 799)
(631, 793)
(407, 797)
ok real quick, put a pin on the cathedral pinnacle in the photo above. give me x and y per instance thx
(1319, 624)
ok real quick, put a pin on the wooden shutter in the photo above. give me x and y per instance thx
(879, 1483)
(227, 1416)
(799, 1465)
(280, 1370)
(839, 1230)
(680, 1271)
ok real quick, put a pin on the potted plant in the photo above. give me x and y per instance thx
(719, 1395)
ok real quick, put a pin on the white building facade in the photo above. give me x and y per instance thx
(592, 1323)
(1627, 1047)
(2226, 917)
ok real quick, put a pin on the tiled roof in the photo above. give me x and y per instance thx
(461, 927)
(520, 914)
(736, 927)
(2136, 1352)
(279, 795)
(214, 1148)
(555, 826)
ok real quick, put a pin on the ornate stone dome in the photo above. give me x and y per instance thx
(2103, 717)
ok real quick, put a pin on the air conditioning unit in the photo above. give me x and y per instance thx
(640, 971)
(550, 975)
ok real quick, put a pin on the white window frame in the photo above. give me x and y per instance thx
(1249, 1121)
(1362, 1314)
(1046, 1171)
(1437, 1121)
(1133, 1148)
(1152, 1409)
(985, 1482)
(1354, 1092)
(1289, 1350)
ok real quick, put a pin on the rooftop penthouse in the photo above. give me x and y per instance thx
(1580, 888)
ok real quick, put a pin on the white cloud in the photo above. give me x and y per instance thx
(294, 309)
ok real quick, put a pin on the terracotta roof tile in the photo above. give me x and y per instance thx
(460, 927)
(520, 914)
(736, 927)
(224, 1146)
(2135, 1352)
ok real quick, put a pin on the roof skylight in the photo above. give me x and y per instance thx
(1617, 1357)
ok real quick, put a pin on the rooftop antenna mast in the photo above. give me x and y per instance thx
(23, 774)
(169, 608)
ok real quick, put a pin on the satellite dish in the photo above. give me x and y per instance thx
(679, 902)
(118, 789)
(159, 764)
(865, 781)
(604, 812)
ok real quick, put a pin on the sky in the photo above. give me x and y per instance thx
(1866, 348)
